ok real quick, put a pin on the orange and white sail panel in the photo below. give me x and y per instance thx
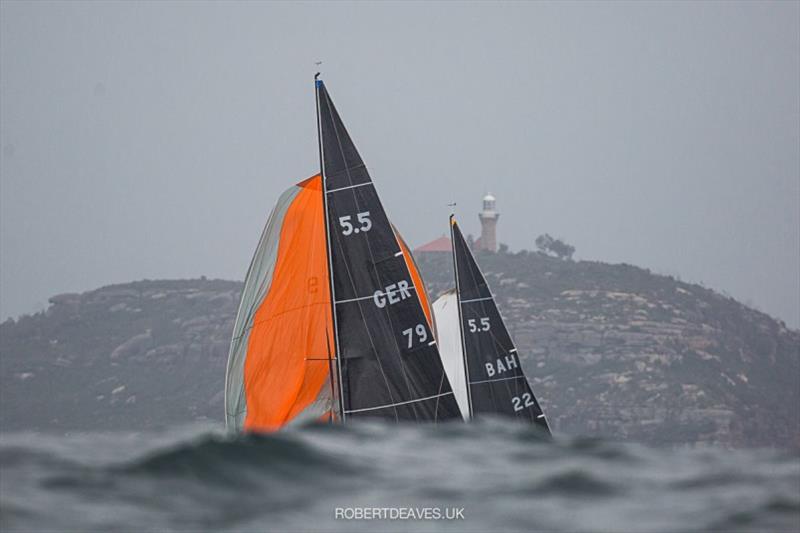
(282, 353)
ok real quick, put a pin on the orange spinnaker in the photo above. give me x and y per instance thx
(287, 367)
(416, 278)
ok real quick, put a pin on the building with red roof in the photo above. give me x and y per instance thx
(442, 244)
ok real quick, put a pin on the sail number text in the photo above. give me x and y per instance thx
(419, 329)
(363, 220)
(475, 327)
(501, 365)
(522, 403)
(392, 294)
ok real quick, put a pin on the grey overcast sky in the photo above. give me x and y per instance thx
(150, 140)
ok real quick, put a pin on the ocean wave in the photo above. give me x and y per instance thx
(504, 476)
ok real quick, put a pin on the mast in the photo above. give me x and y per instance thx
(338, 381)
(460, 318)
(330, 373)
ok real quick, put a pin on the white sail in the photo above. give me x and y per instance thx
(445, 312)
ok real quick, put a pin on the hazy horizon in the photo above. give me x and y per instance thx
(152, 140)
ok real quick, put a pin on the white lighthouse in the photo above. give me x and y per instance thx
(488, 216)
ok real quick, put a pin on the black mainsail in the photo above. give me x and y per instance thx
(495, 381)
(387, 359)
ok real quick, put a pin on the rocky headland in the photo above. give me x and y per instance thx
(610, 350)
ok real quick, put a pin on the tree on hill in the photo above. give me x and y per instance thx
(554, 247)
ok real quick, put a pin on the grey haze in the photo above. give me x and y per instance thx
(151, 140)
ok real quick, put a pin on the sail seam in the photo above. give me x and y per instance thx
(350, 186)
(410, 288)
(400, 403)
(352, 300)
(477, 299)
(493, 380)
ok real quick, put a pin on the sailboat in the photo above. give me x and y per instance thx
(334, 323)
(479, 356)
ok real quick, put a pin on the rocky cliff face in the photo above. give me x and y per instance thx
(609, 349)
(143, 354)
(618, 351)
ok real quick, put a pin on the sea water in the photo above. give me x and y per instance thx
(486, 476)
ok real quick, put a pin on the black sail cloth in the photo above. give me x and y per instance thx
(388, 362)
(496, 382)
